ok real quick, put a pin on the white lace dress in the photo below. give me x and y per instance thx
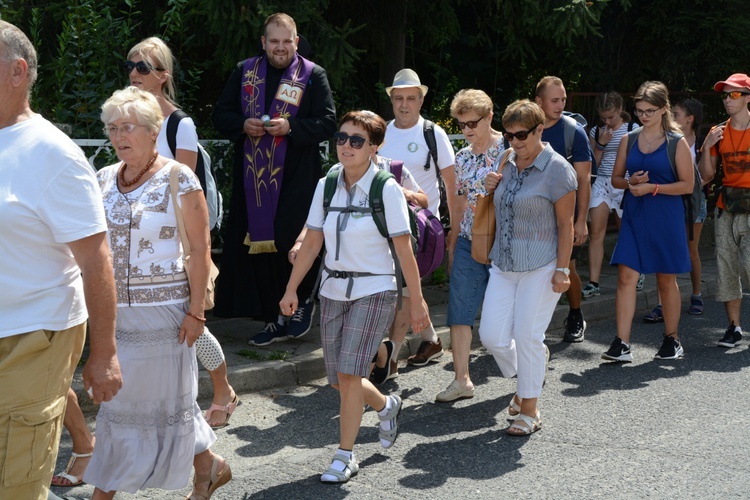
(147, 436)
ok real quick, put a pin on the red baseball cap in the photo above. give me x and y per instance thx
(736, 80)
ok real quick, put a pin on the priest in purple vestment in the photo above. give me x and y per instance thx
(276, 107)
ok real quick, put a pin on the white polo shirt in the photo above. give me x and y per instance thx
(409, 146)
(361, 246)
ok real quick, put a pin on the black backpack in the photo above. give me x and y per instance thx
(692, 200)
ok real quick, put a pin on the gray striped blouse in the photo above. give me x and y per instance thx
(526, 233)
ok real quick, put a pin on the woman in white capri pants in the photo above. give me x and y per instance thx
(534, 203)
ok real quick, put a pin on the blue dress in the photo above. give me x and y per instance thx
(653, 236)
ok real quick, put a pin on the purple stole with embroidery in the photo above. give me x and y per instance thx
(264, 156)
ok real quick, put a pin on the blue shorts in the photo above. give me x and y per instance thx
(468, 283)
(700, 217)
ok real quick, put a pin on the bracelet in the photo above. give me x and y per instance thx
(195, 316)
(600, 147)
(655, 190)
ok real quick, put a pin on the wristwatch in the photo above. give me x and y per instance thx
(564, 270)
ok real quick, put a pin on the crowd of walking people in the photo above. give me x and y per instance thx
(131, 244)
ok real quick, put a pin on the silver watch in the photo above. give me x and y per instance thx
(565, 270)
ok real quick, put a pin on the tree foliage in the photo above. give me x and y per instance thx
(500, 46)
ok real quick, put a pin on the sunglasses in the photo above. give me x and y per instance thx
(735, 94)
(471, 124)
(356, 141)
(648, 113)
(521, 136)
(141, 67)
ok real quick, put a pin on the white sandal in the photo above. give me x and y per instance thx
(351, 470)
(72, 480)
(514, 408)
(526, 424)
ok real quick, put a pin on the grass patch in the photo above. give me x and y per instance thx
(439, 276)
(278, 355)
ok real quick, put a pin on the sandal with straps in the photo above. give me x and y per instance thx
(525, 425)
(350, 470)
(72, 480)
(514, 409)
(215, 480)
(696, 305)
(228, 409)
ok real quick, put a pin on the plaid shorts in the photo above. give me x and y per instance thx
(351, 332)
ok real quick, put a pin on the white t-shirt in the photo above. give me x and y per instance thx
(143, 235)
(48, 197)
(409, 146)
(187, 137)
(362, 248)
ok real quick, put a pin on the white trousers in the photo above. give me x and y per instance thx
(517, 310)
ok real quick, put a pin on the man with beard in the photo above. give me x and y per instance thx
(277, 107)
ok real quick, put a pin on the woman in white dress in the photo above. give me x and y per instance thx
(151, 433)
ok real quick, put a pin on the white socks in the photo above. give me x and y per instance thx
(338, 465)
(386, 424)
(429, 334)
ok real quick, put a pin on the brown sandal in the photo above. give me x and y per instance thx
(215, 480)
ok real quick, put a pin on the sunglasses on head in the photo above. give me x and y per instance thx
(142, 67)
(521, 136)
(472, 124)
(356, 141)
(735, 94)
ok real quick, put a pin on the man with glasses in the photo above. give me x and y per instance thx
(551, 97)
(277, 107)
(730, 143)
(55, 271)
(406, 139)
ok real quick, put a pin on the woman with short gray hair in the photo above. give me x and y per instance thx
(534, 205)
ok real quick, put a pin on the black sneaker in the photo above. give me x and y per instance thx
(301, 321)
(575, 326)
(670, 349)
(273, 332)
(732, 337)
(380, 375)
(618, 351)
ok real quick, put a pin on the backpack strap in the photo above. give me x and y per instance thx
(428, 130)
(569, 134)
(173, 122)
(397, 169)
(378, 217)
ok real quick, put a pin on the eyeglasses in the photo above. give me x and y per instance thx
(735, 94)
(142, 67)
(471, 124)
(648, 113)
(126, 128)
(356, 141)
(521, 136)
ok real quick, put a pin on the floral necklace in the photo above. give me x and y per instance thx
(135, 179)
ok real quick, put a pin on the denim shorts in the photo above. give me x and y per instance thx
(700, 217)
(468, 283)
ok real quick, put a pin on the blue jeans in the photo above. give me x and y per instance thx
(468, 283)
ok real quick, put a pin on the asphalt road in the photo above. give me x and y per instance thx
(662, 429)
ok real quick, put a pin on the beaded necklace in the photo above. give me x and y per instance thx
(135, 179)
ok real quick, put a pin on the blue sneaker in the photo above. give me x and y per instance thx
(273, 332)
(301, 321)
